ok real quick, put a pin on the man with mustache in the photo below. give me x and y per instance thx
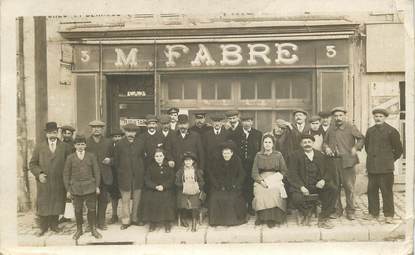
(325, 121)
(234, 124)
(299, 127)
(383, 146)
(47, 164)
(308, 175)
(101, 147)
(67, 136)
(173, 113)
(152, 139)
(343, 140)
(128, 162)
(200, 125)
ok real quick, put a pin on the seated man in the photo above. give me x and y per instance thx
(309, 178)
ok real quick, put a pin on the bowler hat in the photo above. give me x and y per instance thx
(307, 136)
(79, 139)
(189, 154)
(300, 110)
(324, 114)
(231, 113)
(116, 132)
(130, 127)
(173, 110)
(247, 116)
(67, 127)
(51, 126)
(338, 109)
(182, 118)
(96, 123)
(314, 118)
(217, 117)
(151, 118)
(164, 119)
(200, 115)
(381, 111)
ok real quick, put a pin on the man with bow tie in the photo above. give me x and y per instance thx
(248, 143)
(184, 140)
(46, 164)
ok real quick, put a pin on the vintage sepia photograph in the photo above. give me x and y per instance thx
(204, 128)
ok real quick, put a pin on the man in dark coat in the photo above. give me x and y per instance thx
(114, 191)
(128, 161)
(46, 164)
(184, 140)
(383, 147)
(165, 128)
(200, 125)
(152, 139)
(67, 136)
(101, 147)
(343, 140)
(298, 127)
(173, 113)
(248, 143)
(234, 124)
(211, 141)
(325, 121)
(308, 175)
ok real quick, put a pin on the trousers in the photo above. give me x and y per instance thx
(384, 183)
(129, 215)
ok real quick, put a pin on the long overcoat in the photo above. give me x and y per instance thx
(50, 195)
(101, 150)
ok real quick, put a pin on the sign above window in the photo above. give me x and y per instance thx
(212, 55)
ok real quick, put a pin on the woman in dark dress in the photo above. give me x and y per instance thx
(158, 199)
(268, 171)
(226, 203)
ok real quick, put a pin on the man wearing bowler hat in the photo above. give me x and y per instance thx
(200, 125)
(101, 147)
(248, 143)
(184, 140)
(298, 127)
(47, 164)
(152, 139)
(173, 113)
(128, 161)
(383, 146)
(67, 135)
(165, 127)
(325, 121)
(344, 140)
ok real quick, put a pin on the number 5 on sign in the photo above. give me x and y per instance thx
(84, 56)
(331, 51)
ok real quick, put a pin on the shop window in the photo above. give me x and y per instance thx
(301, 87)
(190, 89)
(264, 89)
(247, 89)
(282, 89)
(224, 89)
(208, 90)
(175, 88)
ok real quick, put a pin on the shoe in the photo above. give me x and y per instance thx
(114, 219)
(95, 233)
(41, 232)
(124, 226)
(88, 228)
(370, 217)
(152, 227)
(102, 227)
(63, 219)
(184, 223)
(325, 224)
(271, 224)
(77, 234)
(56, 229)
(194, 229)
(350, 216)
(389, 220)
(333, 216)
(258, 222)
(167, 228)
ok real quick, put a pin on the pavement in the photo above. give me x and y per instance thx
(344, 230)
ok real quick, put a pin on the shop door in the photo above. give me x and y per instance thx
(131, 98)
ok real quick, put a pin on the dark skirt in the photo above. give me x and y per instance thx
(188, 201)
(226, 208)
(158, 206)
(273, 214)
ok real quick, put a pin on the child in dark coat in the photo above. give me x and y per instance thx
(189, 180)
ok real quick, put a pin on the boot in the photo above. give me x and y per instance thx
(152, 227)
(194, 224)
(78, 233)
(91, 220)
(183, 220)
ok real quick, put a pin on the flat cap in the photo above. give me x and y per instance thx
(338, 109)
(67, 127)
(324, 114)
(300, 110)
(314, 118)
(200, 115)
(307, 136)
(117, 131)
(247, 116)
(96, 123)
(151, 118)
(130, 127)
(231, 113)
(79, 139)
(182, 118)
(173, 110)
(381, 111)
(217, 117)
(164, 119)
(282, 123)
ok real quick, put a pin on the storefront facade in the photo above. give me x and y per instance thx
(268, 75)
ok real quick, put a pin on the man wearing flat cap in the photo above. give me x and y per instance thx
(101, 147)
(248, 143)
(343, 140)
(165, 127)
(152, 139)
(308, 174)
(299, 127)
(114, 191)
(184, 140)
(128, 162)
(283, 141)
(173, 113)
(325, 121)
(383, 147)
(316, 131)
(67, 136)
(200, 125)
(233, 119)
(47, 164)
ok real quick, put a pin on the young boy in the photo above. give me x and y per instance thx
(81, 177)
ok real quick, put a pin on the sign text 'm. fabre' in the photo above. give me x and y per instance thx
(211, 55)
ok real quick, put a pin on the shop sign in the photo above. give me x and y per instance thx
(213, 55)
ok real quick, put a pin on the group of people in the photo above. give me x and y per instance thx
(171, 170)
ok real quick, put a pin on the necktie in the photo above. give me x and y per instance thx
(52, 147)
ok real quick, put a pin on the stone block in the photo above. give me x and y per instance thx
(178, 235)
(345, 233)
(387, 232)
(290, 234)
(31, 240)
(247, 233)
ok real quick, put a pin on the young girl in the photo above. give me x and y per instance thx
(158, 200)
(189, 180)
